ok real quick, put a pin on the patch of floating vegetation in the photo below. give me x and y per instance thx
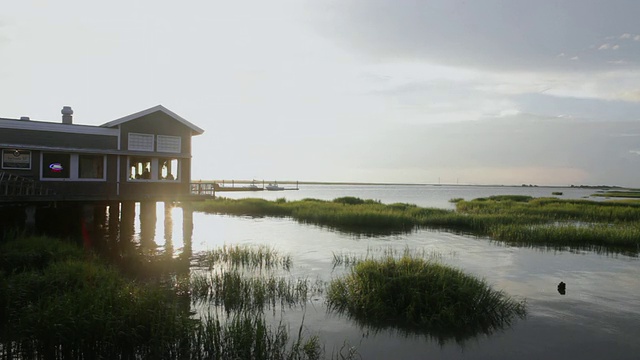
(424, 297)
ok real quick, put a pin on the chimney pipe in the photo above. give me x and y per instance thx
(67, 113)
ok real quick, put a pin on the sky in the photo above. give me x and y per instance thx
(393, 91)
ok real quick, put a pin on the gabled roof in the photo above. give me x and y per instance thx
(196, 130)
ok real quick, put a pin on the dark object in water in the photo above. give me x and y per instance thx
(562, 288)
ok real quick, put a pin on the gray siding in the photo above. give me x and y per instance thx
(157, 123)
(54, 139)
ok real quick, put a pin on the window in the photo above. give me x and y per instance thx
(139, 168)
(16, 159)
(168, 169)
(56, 166)
(91, 167)
(169, 144)
(140, 142)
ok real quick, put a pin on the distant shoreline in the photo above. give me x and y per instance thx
(293, 182)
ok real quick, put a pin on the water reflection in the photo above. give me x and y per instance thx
(127, 236)
(442, 336)
(597, 314)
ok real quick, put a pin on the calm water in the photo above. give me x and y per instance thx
(421, 195)
(599, 317)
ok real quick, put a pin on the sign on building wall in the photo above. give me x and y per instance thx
(16, 159)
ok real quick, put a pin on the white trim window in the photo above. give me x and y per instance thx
(72, 167)
(140, 142)
(140, 168)
(91, 167)
(169, 144)
(55, 166)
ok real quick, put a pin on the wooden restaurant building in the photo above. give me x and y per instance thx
(144, 156)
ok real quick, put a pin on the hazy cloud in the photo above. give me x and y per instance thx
(582, 152)
(493, 34)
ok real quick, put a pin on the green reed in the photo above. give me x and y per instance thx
(69, 305)
(422, 296)
(516, 219)
(350, 259)
(245, 256)
(238, 292)
(36, 252)
(247, 336)
(598, 236)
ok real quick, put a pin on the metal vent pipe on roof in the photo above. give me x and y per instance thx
(67, 115)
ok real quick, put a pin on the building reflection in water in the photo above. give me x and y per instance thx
(141, 238)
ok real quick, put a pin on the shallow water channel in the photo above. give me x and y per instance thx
(598, 317)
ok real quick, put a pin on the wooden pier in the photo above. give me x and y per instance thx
(211, 187)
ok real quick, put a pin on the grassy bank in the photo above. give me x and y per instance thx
(619, 194)
(421, 296)
(57, 302)
(515, 219)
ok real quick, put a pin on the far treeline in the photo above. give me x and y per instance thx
(515, 219)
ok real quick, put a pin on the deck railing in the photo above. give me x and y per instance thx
(200, 188)
(13, 185)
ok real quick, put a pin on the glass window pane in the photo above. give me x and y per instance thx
(91, 166)
(55, 166)
(168, 169)
(139, 168)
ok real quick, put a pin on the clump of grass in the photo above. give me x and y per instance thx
(245, 256)
(252, 207)
(247, 336)
(422, 296)
(236, 292)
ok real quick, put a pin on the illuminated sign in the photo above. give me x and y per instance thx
(56, 167)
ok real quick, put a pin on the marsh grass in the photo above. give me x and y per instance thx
(248, 336)
(421, 296)
(237, 292)
(36, 252)
(82, 307)
(348, 260)
(244, 278)
(67, 305)
(619, 194)
(245, 256)
(516, 219)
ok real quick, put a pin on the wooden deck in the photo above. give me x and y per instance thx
(16, 186)
(20, 190)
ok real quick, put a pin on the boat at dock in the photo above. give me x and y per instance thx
(274, 187)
